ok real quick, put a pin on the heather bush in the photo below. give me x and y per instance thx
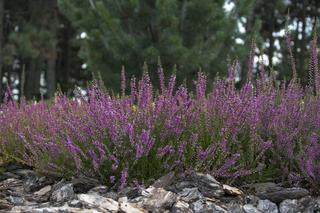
(260, 131)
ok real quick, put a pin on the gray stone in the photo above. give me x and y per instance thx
(4, 204)
(165, 180)
(309, 204)
(190, 194)
(130, 208)
(262, 187)
(83, 184)
(212, 207)
(204, 206)
(34, 183)
(75, 203)
(65, 193)
(123, 200)
(207, 185)
(16, 200)
(267, 206)
(229, 190)
(62, 209)
(42, 205)
(181, 207)
(25, 173)
(10, 183)
(198, 206)
(45, 190)
(100, 190)
(11, 167)
(252, 199)
(179, 186)
(97, 201)
(112, 195)
(131, 192)
(289, 206)
(7, 175)
(235, 208)
(31, 184)
(284, 194)
(249, 208)
(157, 199)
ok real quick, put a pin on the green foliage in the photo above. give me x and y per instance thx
(190, 34)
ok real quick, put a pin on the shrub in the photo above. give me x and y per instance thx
(259, 131)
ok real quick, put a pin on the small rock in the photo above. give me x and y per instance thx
(190, 194)
(31, 184)
(203, 206)
(63, 194)
(212, 207)
(61, 209)
(18, 201)
(130, 208)
(4, 204)
(198, 206)
(252, 199)
(165, 180)
(267, 206)
(123, 200)
(181, 207)
(21, 209)
(234, 208)
(43, 191)
(112, 195)
(309, 204)
(262, 187)
(34, 183)
(75, 203)
(207, 185)
(83, 184)
(10, 183)
(10, 167)
(44, 205)
(131, 192)
(249, 208)
(284, 194)
(179, 186)
(98, 190)
(7, 175)
(95, 200)
(289, 206)
(158, 199)
(25, 173)
(229, 190)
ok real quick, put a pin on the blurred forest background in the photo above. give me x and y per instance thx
(50, 44)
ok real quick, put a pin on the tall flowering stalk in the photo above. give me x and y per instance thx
(291, 57)
(251, 60)
(313, 69)
(123, 81)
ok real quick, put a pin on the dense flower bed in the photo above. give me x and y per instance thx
(260, 131)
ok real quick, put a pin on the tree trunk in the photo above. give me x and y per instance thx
(32, 80)
(1, 43)
(51, 74)
(52, 57)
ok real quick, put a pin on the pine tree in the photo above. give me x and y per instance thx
(188, 33)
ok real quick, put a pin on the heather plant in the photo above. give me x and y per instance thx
(260, 131)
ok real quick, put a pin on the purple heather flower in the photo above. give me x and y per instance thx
(161, 80)
(123, 179)
(123, 81)
(112, 179)
(292, 62)
(168, 149)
